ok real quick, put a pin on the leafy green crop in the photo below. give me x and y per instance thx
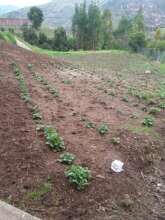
(78, 176)
(148, 121)
(162, 105)
(67, 158)
(18, 74)
(103, 129)
(116, 140)
(53, 139)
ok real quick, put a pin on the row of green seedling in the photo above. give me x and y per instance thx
(77, 175)
(25, 94)
(18, 74)
(103, 128)
(43, 81)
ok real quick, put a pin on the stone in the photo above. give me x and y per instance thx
(127, 201)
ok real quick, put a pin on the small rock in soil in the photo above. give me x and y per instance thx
(127, 201)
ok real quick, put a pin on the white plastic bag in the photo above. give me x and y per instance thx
(117, 166)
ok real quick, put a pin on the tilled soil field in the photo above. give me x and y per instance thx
(27, 163)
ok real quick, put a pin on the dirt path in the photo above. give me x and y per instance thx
(78, 98)
(22, 45)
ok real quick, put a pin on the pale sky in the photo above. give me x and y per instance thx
(23, 3)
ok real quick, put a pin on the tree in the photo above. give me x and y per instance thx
(35, 15)
(60, 41)
(121, 34)
(124, 26)
(94, 27)
(44, 42)
(86, 26)
(80, 26)
(157, 34)
(29, 35)
(138, 24)
(137, 37)
(107, 29)
(137, 41)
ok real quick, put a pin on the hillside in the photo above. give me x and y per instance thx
(56, 13)
(7, 8)
(105, 107)
(59, 13)
(154, 10)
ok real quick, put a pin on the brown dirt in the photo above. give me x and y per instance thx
(26, 162)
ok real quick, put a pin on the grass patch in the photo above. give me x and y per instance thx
(162, 68)
(8, 37)
(44, 189)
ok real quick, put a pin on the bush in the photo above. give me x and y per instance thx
(2, 29)
(157, 44)
(53, 139)
(30, 35)
(78, 176)
(60, 41)
(137, 41)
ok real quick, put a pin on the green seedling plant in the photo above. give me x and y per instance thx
(116, 140)
(44, 189)
(37, 116)
(45, 83)
(125, 99)
(67, 158)
(78, 176)
(103, 129)
(53, 139)
(154, 110)
(67, 82)
(30, 66)
(148, 121)
(90, 124)
(162, 105)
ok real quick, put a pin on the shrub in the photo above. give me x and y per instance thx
(148, 121)
(2, 29)
(67, 158)
(30, 35)
(53, 139)
(78, 176)
(137, 41)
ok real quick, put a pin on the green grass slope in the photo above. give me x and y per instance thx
(8, 37)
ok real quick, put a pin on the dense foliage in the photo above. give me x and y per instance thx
(35, 15)
(92, 29)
